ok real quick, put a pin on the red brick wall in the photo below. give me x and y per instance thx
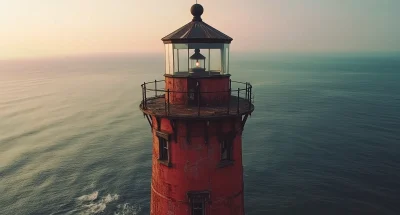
(195, 168)
(214, 90)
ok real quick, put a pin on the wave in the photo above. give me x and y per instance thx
(95, 207)
(89, 197)
(91, 204)
(127, 209)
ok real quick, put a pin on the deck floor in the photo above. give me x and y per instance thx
(157, 106)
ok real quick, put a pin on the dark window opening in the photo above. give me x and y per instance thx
(163, 149)
(191, 95)
(198, 207)
(226, 150)
(198, 202)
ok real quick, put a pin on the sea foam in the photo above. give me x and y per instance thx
(91, 204)
(89, 197)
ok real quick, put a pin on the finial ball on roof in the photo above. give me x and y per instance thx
(197, 10)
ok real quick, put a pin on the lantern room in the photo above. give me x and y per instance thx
(196, 49)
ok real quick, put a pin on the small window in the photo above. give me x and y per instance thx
(198, 202)
(163, 149)
(164, 154)
(197, 207)
(226, 150)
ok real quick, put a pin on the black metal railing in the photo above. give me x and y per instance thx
(239, 98)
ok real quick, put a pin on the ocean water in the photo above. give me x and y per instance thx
(324, 138)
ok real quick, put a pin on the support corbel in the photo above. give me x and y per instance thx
(150, 120)
(244, 119)
(174, 129)
(158, 119)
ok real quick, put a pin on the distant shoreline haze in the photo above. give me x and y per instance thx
(234, 54)
(33, 29)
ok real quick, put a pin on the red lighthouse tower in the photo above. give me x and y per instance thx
(197, 115)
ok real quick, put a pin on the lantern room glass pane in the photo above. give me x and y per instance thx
(226, 59)
(176, 61)
(206, 53)
(183, 60)
(169, 59)
(215, 60)
(166, 59)
(180, 46)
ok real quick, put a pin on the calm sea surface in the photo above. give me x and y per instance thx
(324, 139)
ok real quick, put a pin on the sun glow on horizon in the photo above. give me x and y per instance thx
(75, 27)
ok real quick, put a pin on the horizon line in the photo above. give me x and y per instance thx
(147, 54)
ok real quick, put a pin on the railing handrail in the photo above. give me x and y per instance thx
(144, 86)
(246, 99)
(227, 91)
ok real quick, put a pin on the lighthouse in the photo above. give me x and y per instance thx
(197, 116)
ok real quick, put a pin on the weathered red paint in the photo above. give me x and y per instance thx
(213, 90)
(178, 88)
(195, 168)
(195, 157)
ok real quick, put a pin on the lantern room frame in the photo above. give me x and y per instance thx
(177, 58)
(196, 35)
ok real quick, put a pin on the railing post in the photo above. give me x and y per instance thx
(168, 103)
(238, 102)
(155, 86)
(246, 92)
(145, 94)
(249, 96)
(142, 97)
(229, 99)
(198, 101)
(165, 102)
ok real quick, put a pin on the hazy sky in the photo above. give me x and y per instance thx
(37, 28)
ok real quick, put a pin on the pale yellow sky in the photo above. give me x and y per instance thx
(41, 28)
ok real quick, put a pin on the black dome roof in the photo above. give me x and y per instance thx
(197, 31)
